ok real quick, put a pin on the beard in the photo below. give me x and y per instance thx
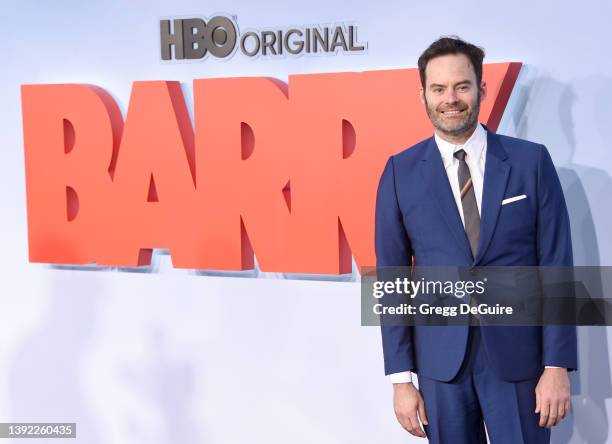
(459, 125)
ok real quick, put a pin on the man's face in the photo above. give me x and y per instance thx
(451, 95)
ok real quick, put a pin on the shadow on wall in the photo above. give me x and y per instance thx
(550, 106)
(44, 375)
(166, 383)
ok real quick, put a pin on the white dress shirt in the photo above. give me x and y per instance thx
(476, 156)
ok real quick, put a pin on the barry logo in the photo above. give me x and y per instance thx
(282, 172)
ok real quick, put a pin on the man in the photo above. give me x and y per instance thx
(468, 197)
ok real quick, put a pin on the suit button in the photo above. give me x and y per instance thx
(473, 271)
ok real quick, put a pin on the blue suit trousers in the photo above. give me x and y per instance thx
(458, 410)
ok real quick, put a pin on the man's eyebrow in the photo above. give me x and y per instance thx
(463, 82)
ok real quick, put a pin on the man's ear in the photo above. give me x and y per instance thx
(483, 90)
(422, 95)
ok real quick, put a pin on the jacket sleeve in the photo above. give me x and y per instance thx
(554, 248)
(392, 249)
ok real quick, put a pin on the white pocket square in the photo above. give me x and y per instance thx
(513, 199)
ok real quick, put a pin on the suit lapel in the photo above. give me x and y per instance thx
(434, 175)
(496, 176)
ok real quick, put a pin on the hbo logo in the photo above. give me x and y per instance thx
(193, 38)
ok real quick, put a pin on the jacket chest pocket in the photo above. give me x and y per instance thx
(517, 216)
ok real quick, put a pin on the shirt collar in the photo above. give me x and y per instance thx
(474, 146)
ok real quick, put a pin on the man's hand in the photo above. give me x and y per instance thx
(407, 402)
(552, 396)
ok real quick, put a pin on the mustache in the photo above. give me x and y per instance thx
(457, 106)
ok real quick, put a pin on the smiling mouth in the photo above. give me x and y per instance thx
(453, 112)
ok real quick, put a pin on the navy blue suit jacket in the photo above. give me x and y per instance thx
(416, 216)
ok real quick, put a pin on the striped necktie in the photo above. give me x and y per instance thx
(471, 217)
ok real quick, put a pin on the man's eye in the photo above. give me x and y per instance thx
(463, 88)
(437, 90)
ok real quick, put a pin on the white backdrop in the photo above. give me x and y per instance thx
(171, 356)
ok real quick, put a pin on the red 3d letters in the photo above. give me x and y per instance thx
(284, 172)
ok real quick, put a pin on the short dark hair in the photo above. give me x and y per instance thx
(452, 45)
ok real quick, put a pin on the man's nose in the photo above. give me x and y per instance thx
(451, 96)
